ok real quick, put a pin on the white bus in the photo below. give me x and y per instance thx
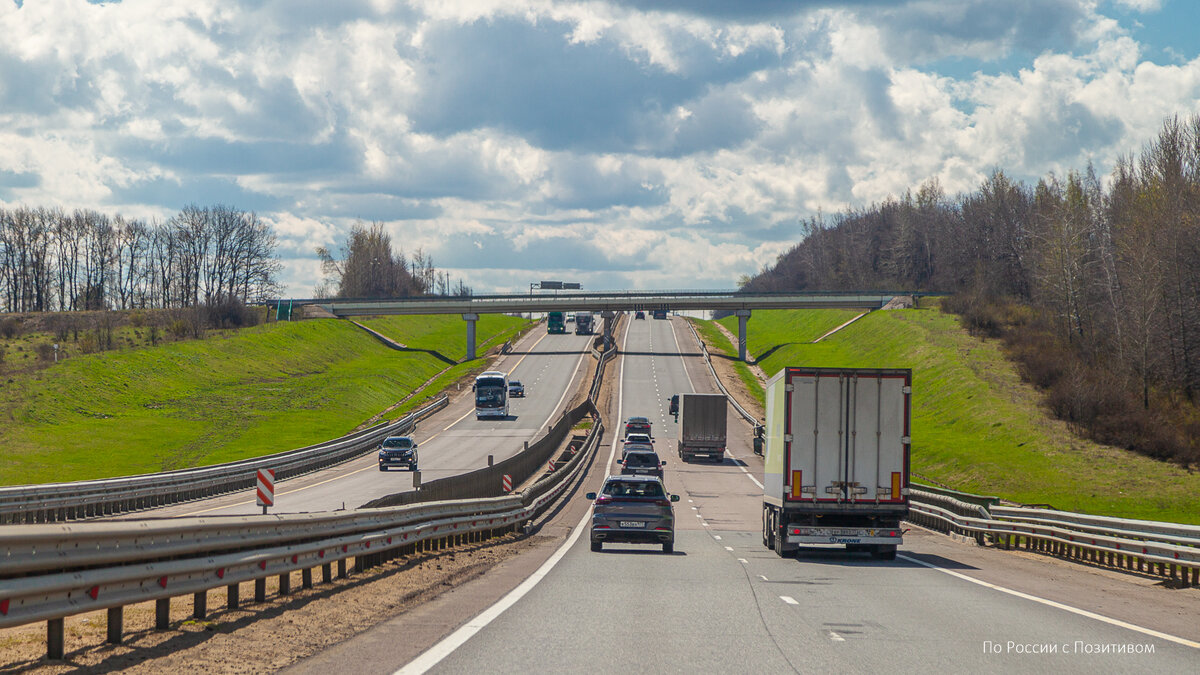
(491, 394)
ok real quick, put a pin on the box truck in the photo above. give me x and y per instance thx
(702, 426)
(837, 451)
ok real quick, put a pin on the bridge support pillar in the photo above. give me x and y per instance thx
(608, 317)
(743, 316)
(470, 319)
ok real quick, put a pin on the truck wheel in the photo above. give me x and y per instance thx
(768, 540)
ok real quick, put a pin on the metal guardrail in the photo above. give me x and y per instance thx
(708, 361)
(84, 499)
(1162, 549)
(54, 571)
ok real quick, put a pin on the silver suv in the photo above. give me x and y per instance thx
(633, 510)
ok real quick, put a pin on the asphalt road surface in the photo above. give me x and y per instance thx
(724, 603)
(552, 368)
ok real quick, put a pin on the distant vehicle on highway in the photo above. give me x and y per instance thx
(633, 510)
(640, 315)
(674, 406)
(555, 323)
(516, 389)
(639, 438)
(638, 425)
(660, 313)
(570, 318)
(642, 463)
(491, 394)
(583, 323)
(702, 427)
(398, 451)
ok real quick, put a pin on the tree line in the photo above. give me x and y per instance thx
(52, 260)
(367, 267)
(1095, 288)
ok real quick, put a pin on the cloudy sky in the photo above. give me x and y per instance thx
(619, 143)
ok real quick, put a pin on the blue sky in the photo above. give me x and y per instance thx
(619, 143)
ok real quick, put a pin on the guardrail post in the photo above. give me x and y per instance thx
(200, 604)
(285, 583)
(342, 568)
(54, 639)
(260, 589)
(162, 614)
(306, 578)
(232, 597)
(326, 573)
(115, 625)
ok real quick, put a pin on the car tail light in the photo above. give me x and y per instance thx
(663, 529)
(893, 533)
(603, 499)
(602, 527)
(662, 502)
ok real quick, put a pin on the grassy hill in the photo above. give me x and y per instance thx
(976, 426)
(246, 393)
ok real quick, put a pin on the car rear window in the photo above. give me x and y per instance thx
(641, 459)
(397, 443)
(619, 488)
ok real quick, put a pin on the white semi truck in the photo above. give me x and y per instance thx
(837, 459)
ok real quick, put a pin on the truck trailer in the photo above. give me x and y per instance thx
(837, 459)
(702, 426)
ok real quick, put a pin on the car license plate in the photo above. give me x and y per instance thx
(632, 524)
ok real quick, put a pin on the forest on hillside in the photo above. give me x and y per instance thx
(1093, 286)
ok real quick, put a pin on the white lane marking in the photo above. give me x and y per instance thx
(728, 548)
(751, 477)
(690, 501)
(788, 599)
(718, 538)
(469, 412)
(566, 391)
(280, 494)
(1059, 605)
(835, 637)
(759, 576)
(744, 562)
(679, 349)
(704, 524)
(528, 351)
(435, 654)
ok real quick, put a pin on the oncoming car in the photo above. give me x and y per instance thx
(640, 315)
(633, 510)
(516, 389)
(398, 451)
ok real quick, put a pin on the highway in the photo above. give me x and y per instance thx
(724, 603)
(451, 442)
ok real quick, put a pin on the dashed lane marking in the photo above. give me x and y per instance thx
(788, 599)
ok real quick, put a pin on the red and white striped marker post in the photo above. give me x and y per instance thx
(551, 466)
(266, 488)
(506, 483)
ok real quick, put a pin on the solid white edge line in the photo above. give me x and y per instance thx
(1058, 605)
(566, 391)
(435, 654)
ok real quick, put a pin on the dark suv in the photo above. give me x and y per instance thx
(633, 510)
(398, 451)
(642, 463)
(638, 425)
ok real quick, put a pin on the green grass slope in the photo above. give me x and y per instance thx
(257, 391)
(976, 426)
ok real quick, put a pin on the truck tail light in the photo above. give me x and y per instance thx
(797, 484)
(895, 485)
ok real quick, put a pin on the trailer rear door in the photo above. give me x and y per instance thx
(849, 431)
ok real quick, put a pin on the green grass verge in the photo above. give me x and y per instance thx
(247, 393)
(976, 426)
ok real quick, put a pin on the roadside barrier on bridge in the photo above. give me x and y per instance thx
(1168, 550)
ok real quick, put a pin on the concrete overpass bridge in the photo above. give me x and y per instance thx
(605, 303)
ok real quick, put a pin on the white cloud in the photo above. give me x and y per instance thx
(625, 142)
